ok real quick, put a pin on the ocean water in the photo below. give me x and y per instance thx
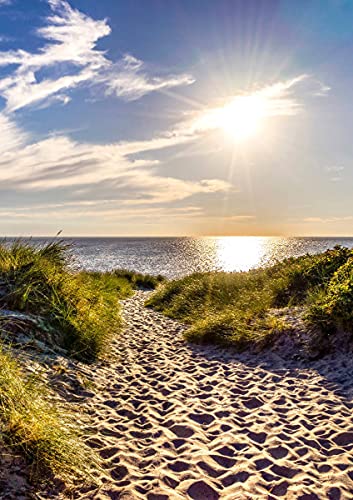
(175, 257)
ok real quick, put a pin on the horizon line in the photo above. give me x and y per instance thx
(178, 236)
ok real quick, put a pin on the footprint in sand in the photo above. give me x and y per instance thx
(200, 490)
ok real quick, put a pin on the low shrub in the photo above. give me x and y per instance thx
(334, 308)
(293, 279)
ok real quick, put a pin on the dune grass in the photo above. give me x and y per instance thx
(42, 432)
(81, 308)
(138, 280)
(235, 308)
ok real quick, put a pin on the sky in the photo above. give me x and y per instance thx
(178, 117)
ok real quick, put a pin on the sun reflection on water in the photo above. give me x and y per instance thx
(243, 253)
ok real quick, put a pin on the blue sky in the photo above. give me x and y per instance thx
(176, 118)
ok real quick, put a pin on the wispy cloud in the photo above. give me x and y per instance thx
(11, 137)
(241, 218)
(109, 210)
(128, 79)
(334, 168)
(330, 219)
(71, 38)
(279, 99)
(59, 162)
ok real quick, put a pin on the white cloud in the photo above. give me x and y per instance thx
(27, 91)
(156, 189)
(129, 80)
(71, 39)
(335, 168)
(109, 210)
(240, 218)
(12, 138)
(59, 162)
(280, 100)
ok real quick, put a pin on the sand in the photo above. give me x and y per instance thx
(176, 421)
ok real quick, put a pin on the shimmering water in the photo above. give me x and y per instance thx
(174, 257)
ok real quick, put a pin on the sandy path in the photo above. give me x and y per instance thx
(176, 421)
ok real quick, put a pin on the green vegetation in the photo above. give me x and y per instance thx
(38, 429)
(138, 280)
(333, 308)
(79, 312)
(237, 308)
(80, 309)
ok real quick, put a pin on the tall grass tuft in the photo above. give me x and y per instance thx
(42, 432)
(138, 280)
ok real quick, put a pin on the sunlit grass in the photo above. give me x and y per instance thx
(235, 308)
(82, 308)
(41, 431)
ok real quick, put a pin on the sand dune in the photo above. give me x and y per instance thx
(176, 421)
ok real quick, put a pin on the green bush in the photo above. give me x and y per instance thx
(201, 294)
(335, 308)
(294, 278)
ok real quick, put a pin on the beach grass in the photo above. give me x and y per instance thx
(236, 308)
(138, 280)
(42, 432)
(82, 308)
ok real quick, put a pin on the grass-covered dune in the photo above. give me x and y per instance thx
(43, 299)
(80, 311)
(251, 308)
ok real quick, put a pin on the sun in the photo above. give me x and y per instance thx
(243, 117)
(240, 119)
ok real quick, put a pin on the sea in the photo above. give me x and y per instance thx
(175, 257)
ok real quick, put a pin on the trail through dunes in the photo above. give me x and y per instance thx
(175, 421)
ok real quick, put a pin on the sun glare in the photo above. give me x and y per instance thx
(241, 118)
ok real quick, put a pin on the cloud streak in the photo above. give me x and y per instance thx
(59, 162)
(129, 80)
(328, 220)
(70, 43)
